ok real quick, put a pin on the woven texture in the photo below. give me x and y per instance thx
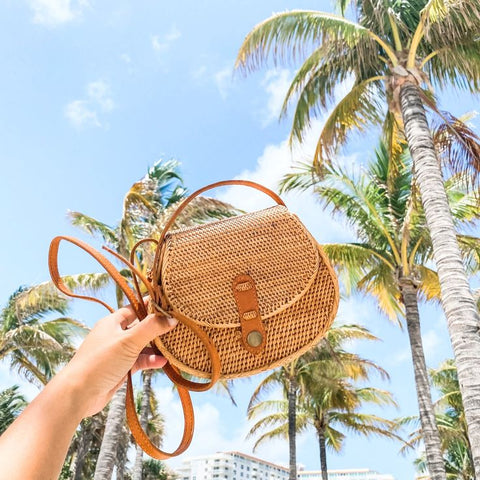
(297, 290)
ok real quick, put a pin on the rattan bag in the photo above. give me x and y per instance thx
(251, 293)
(267, 258)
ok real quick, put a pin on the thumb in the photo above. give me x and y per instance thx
(150, 327)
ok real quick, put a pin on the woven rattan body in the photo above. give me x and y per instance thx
(297, 290)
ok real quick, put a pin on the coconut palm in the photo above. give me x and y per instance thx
(12, 402)
(393, 52)
(156, 470)
(150, 419)
(451, 423)
(35, 346)
(390, 259)
(146, 207)
(325, 396)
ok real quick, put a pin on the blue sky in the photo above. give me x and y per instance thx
(92, 93)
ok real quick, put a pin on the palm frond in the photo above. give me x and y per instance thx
(303, 177)
(353, 260)
(429, 287)
(455, 65)
(458, 147)
(381, 284)
(362, 107)
(470, 248)
(93, 227)
(290, 32)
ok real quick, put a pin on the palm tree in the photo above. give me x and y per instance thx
(326, 396)
(156, 470)
(146, 207)
(451, 423)
(389, 260)
(150, 419)
(12, 402)
(34, 346)
(394, 52)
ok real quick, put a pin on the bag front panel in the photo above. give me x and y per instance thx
(290, 333)
(201, 263)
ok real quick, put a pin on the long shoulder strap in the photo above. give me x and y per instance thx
(137, 304)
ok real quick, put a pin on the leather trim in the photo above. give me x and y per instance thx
(254, 336)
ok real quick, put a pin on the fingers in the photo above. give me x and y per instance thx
(150, 327)
(125, 316)
(147, 362)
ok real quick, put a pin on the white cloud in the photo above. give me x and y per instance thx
(80, 114)
(272, 165)
(199, 73)
(99, 92)
(126, 58)
(276, 84)
(223, 81)
(56, 12)
(85, 112)
(163, 43)
(214, 433)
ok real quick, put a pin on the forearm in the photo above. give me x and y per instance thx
(35, 445)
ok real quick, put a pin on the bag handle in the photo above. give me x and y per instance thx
(181, 207)
(141, 312)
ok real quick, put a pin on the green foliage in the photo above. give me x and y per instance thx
(329, 393)
(436, 41)
(450, 418)
(154, 470)
(380, 203)
(12, 402)
(146, 208)
(34, 346)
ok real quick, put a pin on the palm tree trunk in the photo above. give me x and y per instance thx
(462, 317)
(84, 442)
(113, 429)
(292, 427)
(323, 453)
(431, 437)
(144, 408)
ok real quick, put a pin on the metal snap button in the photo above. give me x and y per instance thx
(254, 338)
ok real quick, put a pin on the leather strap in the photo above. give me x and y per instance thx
(181, 207)
(141, 312)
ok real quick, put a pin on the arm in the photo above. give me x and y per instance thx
(35, 445)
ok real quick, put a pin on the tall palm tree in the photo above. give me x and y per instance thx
(33, 345)
(12, 402)
(394, 51)
(390, 259)
(151, 420)
(451, 423)
(146, 208)
(325, 397)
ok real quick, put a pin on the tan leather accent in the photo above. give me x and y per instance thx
(247, 183)
(254, 336)
(141, 437)
(138, 305)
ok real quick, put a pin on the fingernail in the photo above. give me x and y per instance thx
(172, 321)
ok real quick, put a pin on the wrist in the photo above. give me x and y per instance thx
(72, 393)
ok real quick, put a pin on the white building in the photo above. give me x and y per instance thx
(238, 466)
(230, 466)
(355, 474)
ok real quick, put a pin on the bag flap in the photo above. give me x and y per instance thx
(200, 264)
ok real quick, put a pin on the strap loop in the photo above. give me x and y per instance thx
(183, 385)
(182, 206)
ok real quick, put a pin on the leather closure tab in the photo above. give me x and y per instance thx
(253, 332)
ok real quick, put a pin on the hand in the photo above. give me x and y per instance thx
(109, 351)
